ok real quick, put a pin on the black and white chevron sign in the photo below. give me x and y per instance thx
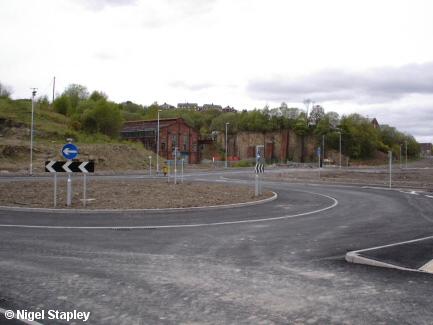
(69, 166)
(260, 168)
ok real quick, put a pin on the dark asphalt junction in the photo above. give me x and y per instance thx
(223, 266)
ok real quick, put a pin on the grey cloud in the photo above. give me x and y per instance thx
(191, 87)
(414, 119)
(101, 4)
(375, 85)
(172, 12)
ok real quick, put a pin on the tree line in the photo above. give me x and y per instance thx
(93, 113)
(360, 140)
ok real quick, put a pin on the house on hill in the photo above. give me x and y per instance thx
(374, 122)
(173, 132)
(229, 109)
(187, 105)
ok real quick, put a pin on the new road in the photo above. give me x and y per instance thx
(280, 262)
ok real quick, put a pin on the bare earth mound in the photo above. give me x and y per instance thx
(124, 194)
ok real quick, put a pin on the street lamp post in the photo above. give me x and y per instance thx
(157, 146)
(340, 148)
(400, 154)
(406, 154)
(31, 133)
(226, 143)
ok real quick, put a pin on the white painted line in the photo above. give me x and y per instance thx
(192, 225)
(30, 322)
(429, 196)
(390, 245)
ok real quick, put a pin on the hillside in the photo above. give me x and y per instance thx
(50, 132)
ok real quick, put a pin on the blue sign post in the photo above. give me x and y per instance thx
(258, 156)
(69, 151)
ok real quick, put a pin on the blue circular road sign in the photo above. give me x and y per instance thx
(69, 151)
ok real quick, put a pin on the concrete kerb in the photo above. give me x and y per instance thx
(353, 257)
(104, 211)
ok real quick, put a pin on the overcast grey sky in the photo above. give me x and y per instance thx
(370, 57)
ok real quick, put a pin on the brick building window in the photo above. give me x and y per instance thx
(185, 143)
(194, 146)
(173, 141)
(163, 144)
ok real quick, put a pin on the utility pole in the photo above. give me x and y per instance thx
(31, 133)
(54, 87)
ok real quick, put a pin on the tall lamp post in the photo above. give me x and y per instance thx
(157, 146)
(31, 133)
(226, 143)
(340, 148)
(400, 154)
(406, 154)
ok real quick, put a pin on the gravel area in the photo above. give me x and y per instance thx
(124, 194)
(419, 174)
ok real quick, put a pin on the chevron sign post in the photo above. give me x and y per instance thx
(69, 167)
(259, 169)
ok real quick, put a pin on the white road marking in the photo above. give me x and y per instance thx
(192, 225)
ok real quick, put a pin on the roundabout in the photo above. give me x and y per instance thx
(278, 262)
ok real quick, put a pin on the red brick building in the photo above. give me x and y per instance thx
(173, 132)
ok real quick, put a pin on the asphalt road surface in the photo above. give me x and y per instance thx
(281, 262)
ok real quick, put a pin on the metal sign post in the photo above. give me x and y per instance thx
(55, 189)
(318, 153)
(69, 167)
(390, 166)
(84, 190)
(69, 197)
(175, 165)
(259, 169)
(150, 167)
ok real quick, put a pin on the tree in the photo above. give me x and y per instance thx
(317, 113)
(108, 118)
(62, 104)
(76, 93)
(333, 118)
(5, 91)
(358, 136)
(300, 125)
(97, 95)
(219, 123)
(307, 103)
